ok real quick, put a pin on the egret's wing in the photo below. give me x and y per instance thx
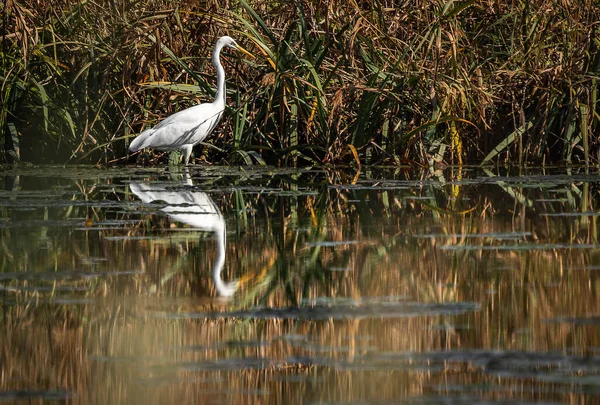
(189, 116)
(189, 126)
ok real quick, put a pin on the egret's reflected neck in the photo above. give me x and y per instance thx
(224, 289)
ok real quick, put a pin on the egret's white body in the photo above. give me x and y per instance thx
(196, 209)
(184, 129)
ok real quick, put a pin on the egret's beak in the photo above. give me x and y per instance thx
(242, 50)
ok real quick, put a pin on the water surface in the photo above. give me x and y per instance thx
(260, 285)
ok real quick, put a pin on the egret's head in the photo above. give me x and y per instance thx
(230, 43)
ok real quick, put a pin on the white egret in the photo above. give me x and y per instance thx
(184, 129)
(196, 209)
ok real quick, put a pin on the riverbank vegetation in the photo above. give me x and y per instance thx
(357, 82)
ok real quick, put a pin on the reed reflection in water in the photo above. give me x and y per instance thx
(380, 288)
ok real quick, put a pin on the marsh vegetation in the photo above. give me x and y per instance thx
(358, 82)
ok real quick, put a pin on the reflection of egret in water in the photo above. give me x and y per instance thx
(196, 209)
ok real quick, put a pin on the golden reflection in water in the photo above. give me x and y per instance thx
(126, 346)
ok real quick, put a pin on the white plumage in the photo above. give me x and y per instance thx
(184, 129)
(196, 209)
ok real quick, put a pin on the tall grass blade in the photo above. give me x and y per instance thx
(502, 146)
(44, 102)
(583, 109)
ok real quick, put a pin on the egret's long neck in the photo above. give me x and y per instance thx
(220, 96)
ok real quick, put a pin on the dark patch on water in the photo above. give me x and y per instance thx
(523, 247)
(70, 223)
(65, 275)
(588, 268)
(231, 364)
(468, 400)
(541, 366)
(490, 235)
(43, 288)
(321, 312)
(333, 243)
(584, 320)
(570, 214)
(50, 395)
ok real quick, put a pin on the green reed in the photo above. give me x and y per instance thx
(377, 82)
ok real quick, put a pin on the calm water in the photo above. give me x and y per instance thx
(264, 286)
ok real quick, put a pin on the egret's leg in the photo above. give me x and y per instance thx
(187, 152)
